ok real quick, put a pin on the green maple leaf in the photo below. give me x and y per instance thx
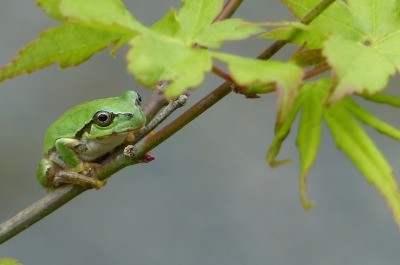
(165, 51)
(310, 130)
(153, 58)
(359, 39)
(202, 31)
(195, 16)
(357, 68)
(352, 139)
(230, 29)
(339, 18)
(91, 27)
(310, 101)
(101, 12)
(104, 12)
(171, 55)
(367, 118)
(51, 7)
(168, 25)
(193, 24)
(347, 133)
(383, 99)
(68, 45)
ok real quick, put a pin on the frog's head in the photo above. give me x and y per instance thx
(114, 116)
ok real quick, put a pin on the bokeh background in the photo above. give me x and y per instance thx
(209, 198)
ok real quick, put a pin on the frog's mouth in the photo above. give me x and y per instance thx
(132, 134)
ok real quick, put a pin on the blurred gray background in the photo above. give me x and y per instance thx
(209, 198)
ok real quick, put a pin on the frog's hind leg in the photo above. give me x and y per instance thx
(45, 172)
(71, 177)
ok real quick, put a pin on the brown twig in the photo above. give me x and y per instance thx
(229, 9)
(155, 104)
(316, 71)
(222, 74)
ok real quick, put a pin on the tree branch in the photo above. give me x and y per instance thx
(58, 197)
(119, 160)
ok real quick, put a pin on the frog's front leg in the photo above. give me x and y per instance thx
(69, 149)
(45, 172)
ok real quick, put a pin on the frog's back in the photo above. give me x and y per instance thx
(65, 126)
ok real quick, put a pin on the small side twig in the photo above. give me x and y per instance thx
(316, 71)
(222, 74)
(155, 104)
(171, 107)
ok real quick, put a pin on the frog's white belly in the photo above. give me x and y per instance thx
(98, 147)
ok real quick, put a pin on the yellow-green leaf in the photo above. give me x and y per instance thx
(168, 25)
(363, 49)
(364, 116)
(103, 12)
(228, 29)
(383, 99)
(195, 16)
(337, 19)
(281, 132)
(309, 135)
(68, 45)
(154, 58)
(51, 7)
(357, 68)
(356, 144)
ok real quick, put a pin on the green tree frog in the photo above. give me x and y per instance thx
(85, 133)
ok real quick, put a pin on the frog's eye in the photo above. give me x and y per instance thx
(138, 101)
(103, 118)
